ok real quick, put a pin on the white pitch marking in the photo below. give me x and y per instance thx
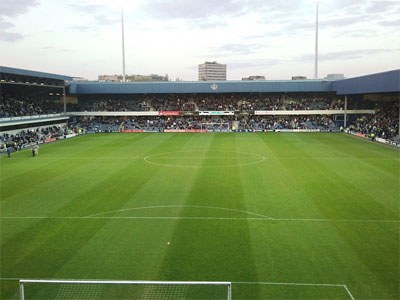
(183, 206)
(207, 218)
(233, 282)
(301, 284)
(254, 282)
(146, 159)
(80, 158)
(213, 157)
(348, 292)
(338, 220)
(139, 218)
(289, 283)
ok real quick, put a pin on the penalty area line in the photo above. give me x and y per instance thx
(258, 282)
(348, 292)
(289, 283)
(343, 286)
(139, 218)
(202, 218)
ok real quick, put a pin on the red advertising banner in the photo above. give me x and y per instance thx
(169, 113)
(185, 130)
(50, 140)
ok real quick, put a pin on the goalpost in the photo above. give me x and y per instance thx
(216, 127)
(123, 289)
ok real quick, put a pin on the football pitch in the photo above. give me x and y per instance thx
(280, 215)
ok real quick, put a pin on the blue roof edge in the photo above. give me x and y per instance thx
(16, 71)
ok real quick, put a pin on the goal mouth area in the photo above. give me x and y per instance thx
(122, 289)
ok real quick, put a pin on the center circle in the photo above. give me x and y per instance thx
(204, 158)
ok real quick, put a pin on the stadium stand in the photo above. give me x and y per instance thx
(31, 101)
(384, 124)
(25, 138)
(200, 102)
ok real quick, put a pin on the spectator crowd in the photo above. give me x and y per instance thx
(212, 123)
(206, 102)
(383, 124)
(25, 138)
(27, 106)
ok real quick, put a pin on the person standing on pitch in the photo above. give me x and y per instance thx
(9, 150)
(36, 150)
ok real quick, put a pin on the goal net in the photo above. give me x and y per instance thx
(113, 289)
(216, 127)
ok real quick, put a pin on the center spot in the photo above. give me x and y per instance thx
(204, 158)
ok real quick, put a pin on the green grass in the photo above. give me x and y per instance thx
(318, 212)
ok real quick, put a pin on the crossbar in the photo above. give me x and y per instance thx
(135, 282)
(124, 281)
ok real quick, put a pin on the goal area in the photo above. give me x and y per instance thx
(123, 289)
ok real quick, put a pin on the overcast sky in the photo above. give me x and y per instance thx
(253, 37)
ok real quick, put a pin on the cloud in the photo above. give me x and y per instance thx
(363, 33)
(335, 22)
(96, 22)
(343, 15)
(11, 9)
(343, 21)
(202, 10)
(96, 12)
(103, 20)
(10, 36)
(85, 7)
(6, 24)
(79, 27)
(239, 49)
(345, 55)
(382, 6)
(183, 9)
(254, 64)
(390, 23)
(53, 49)
(207, 23)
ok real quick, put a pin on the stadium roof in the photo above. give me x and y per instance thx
(201, 87)
(385, 82)
(22, 72)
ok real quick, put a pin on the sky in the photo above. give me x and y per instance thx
(271, 38)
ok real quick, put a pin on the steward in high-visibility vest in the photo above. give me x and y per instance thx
(372, 136)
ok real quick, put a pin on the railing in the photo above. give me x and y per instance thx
(31, 117)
